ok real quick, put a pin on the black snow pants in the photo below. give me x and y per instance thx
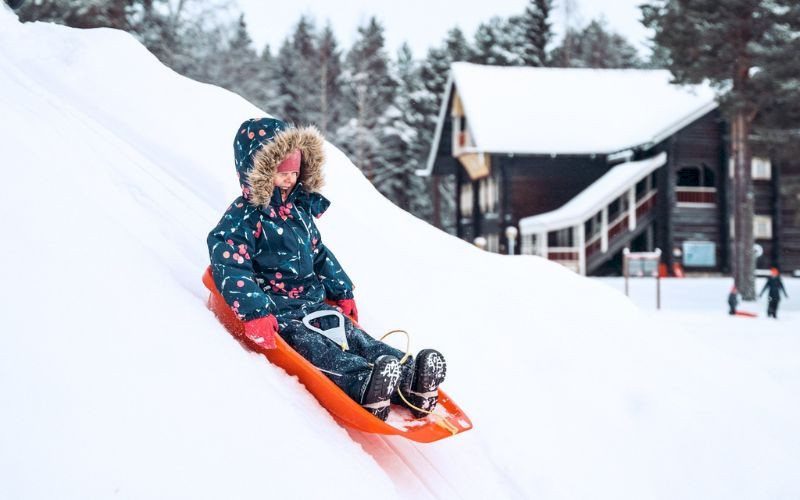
(772, 307)
(350, 370)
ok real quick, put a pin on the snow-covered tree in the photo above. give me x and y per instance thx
(328, 72)
(457, 47)
(80, 13)
(595, 46)
(368, 93)
(239, 65)
(496, 43)
(534, 32)
(297, 88)
(747, 50)
(404, 150)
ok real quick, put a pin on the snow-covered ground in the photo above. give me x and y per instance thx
(115, 381)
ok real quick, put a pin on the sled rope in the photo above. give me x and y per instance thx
(441, 421)
(408, 343)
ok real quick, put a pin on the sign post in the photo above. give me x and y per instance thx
(642, 264)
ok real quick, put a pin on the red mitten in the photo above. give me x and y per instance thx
(262, 331)
(348, 307)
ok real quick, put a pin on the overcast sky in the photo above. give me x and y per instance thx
(424, 23)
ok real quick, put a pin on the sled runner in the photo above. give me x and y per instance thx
(746, 314)
(451, 419)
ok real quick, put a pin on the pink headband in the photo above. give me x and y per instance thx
(291, 163)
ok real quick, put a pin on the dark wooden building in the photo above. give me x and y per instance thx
(581, 163)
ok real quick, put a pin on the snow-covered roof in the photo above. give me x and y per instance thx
(592, 199)
(528, 110)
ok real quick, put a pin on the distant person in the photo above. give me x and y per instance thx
(733, 300)
(775, 287)
(271, 267)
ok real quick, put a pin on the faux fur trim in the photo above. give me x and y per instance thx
(267, 158)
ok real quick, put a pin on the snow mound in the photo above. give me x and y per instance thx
(115, 381)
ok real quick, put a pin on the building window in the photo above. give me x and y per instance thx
(694, 176)
(561, 238)
(762, 227)
(696, 185)
(761, 168)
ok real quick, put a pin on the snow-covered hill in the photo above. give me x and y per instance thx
(115, 381)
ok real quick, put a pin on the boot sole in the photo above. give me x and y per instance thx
(433, 372)
(380, 390)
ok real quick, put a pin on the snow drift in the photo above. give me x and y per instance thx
(116, 381)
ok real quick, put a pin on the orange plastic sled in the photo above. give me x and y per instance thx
(346, 411)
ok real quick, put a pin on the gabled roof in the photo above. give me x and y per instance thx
(570, 111)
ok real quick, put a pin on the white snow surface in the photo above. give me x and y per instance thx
(591, 200)
(573, 110)
(117, 382)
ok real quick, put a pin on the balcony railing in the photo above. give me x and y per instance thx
(700, 196)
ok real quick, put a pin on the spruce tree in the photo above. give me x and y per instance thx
(595, 46)
(328, 72)
(409, 101)
(368, 93)
(734, 45)
(297, 89)
(535, 32)
(79, 13)
(266, 95)
(456, 46)
(496, 42)
(239, 64)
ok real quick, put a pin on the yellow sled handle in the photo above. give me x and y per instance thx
(408, 343)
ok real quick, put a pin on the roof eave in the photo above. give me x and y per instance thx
(428, 170)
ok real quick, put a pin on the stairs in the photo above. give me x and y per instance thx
(600, 221)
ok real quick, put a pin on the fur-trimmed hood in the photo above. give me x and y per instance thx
(260, 146)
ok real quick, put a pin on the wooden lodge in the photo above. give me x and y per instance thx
(583, 163)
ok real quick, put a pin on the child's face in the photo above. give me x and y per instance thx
(286, 180)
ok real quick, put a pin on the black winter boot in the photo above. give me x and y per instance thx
(430, 372)
(382, 384)
(406, 378)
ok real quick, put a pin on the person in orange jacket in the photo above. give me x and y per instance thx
(775, 287)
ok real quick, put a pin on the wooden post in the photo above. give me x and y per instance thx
(632, 208)
(604, 230)
(658, 279)
(625, 268)
(580, 230)
(541, 242)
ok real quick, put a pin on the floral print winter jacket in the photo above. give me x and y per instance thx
(267, 255)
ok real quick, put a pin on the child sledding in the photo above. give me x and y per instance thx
(273, 271)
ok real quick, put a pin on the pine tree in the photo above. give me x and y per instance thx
(79, 13)
(298, 90)
(413, 190)
(368, 93)
(266, 95)
(457, 47)
(238, 70)
(535, 32)
(496, 42)
(734, 44)
(434, 73)
(595, 46)
(329, 76)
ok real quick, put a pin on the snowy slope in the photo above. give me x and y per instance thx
(115, 381)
